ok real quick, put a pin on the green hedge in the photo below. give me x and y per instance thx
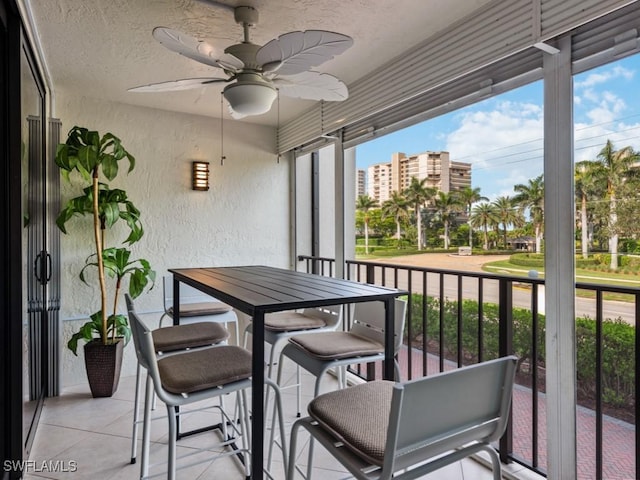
(527, 259)
(537, 260)
(618, 368)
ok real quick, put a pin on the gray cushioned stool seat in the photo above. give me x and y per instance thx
(201, 309)
(291, 321)
(204, 369)
(193, 335)
(336, 345)
(358, 416)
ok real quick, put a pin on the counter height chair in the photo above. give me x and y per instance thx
(196, 306)
(170, 340)
(190, 377)
(382, 430)
(363, 343)
(280, 326)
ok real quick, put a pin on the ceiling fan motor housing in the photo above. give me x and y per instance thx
(245, 15)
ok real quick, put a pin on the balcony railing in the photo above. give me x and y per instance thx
(456, 318)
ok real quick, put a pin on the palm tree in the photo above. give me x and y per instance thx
(447, 207)
(506, 214)
(531, 196)
(484, 216)
(585, 188)
(614, 167)
(468, 196)
(398, 208)
(417, 194)
(364, 204)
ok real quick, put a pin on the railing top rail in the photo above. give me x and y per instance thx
(484, 275)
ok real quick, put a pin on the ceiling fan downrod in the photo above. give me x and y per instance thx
(247, 17)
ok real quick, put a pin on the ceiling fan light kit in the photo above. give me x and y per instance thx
(250, 97)
(259, 72)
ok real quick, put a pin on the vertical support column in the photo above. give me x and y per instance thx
(349, 206)
(339, 207)
(293, 211)
(559, 263)
(315, 210)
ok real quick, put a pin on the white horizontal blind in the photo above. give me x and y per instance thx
(485, 48)
(599, 38)
(560, 16)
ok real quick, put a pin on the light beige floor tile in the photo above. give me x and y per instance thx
(96, 433)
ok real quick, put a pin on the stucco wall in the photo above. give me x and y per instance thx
(242, 219)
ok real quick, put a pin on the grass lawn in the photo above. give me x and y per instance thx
(582, 275)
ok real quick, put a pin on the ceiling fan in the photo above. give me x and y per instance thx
(255, 74)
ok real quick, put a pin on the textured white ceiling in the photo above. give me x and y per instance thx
(100, 48)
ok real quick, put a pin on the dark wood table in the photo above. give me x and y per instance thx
(258, 290)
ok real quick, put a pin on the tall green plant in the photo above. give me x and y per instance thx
(89, 155)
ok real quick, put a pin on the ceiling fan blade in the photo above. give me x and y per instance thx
(312, 86)
(176, 85)
(297, 52)
(195, 49)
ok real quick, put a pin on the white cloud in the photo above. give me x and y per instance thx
(601, 77)
(490, 139)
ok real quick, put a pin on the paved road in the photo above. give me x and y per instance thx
(522, 296)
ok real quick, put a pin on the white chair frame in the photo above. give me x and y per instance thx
(190, 295)
(433, 421)
(145, 351)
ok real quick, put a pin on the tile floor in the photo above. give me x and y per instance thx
(95, 434)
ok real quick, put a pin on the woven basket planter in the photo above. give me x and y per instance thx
(103, 364)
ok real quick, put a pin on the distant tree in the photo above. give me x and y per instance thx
(383, 226)
(398, 208)
(614, 169)
(531, 196)
(364, 204)
(417, 194)
(586, 188)
(447, 207)
(506, 214)
(468, 196)
(484, 216)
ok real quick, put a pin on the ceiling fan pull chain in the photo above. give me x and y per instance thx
(278, 124)
(222, 157)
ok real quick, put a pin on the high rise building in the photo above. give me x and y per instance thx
(361, 178)
(441, 173)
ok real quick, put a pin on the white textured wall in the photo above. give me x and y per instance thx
(242, 219)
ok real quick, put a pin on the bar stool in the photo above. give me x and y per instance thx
(185, 378)
(280, 326)
(196, 306)
(170, 340)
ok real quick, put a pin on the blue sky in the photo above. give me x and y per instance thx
(502, 136)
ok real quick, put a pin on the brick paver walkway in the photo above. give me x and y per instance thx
(618, 436)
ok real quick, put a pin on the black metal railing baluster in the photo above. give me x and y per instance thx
(459, 318)
(441, 326)
(599, 312)
(534, 375)
(376, 273)
(424, 325)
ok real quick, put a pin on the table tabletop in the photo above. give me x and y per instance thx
(268, 289)
(258, 290)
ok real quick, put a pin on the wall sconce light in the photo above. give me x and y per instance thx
(200, 176)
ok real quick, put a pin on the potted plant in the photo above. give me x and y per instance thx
(88, 154)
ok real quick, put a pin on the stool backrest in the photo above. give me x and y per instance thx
(188, 294)
(142, 340)
(369, 321)
(330, 314)
(432, 415)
